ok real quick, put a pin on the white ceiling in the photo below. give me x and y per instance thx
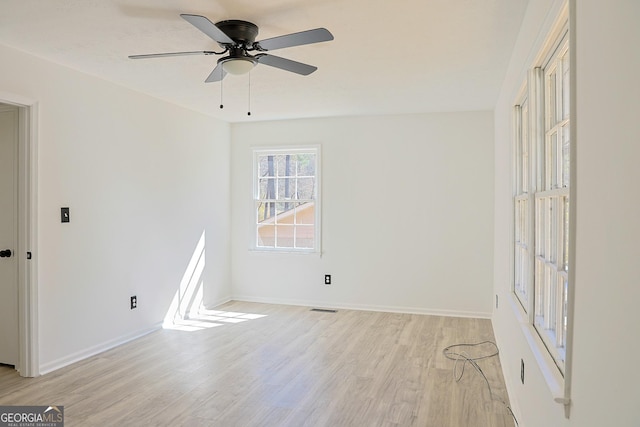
(388, 57)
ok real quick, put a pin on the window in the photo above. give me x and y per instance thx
(542, 198)
(552, 208)
(286, 202)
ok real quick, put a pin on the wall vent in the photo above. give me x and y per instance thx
(324, 310)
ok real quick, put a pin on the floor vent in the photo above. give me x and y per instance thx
(324, 310)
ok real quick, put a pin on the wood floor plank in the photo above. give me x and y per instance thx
(274, 365)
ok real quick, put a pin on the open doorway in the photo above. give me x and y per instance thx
(18, 233)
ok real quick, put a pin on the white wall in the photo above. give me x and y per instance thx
(143, 179)
(407, 214)
(605, 379)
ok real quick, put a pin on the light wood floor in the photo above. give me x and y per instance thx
(292, 367)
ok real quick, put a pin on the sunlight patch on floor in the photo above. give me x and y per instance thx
(187, 312)
(205, 319)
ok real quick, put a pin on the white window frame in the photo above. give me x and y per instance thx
(523, 202)
(278, 151)
(552, 198)
(543, 264)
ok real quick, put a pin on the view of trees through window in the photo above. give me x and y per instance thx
(286, 194)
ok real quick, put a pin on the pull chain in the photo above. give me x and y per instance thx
(249, 100)
(221, 83)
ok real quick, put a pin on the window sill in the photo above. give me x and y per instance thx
(284, 251)
(552, 376)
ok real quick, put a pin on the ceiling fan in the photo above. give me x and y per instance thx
(237, 38)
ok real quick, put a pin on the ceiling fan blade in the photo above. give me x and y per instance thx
(296, 39)
(207, 27)
(285, 64)
(163, 55)
(216, 75)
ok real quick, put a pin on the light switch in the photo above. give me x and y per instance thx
(64, 214)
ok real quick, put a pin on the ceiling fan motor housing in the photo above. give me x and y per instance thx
(242, 32)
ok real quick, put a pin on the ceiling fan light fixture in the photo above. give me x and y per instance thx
(238, 65)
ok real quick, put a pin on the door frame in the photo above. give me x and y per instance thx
(28, 357)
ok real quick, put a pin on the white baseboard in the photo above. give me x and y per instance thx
(366, 307)
(45, 368)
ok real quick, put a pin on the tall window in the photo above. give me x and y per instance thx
(552, 208)
(541, 199)
(286, 199)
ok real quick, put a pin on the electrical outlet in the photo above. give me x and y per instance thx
(134, 302)
(522, 370)
(64, 215)
(327, 279)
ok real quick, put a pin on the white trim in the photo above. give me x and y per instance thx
(547, 48)
(96, 349)
(285, 251)
(365, 307)
(573, 175)
(28, 359)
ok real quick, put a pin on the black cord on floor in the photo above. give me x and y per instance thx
(457, 353)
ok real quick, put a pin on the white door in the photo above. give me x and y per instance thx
(8, 235)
